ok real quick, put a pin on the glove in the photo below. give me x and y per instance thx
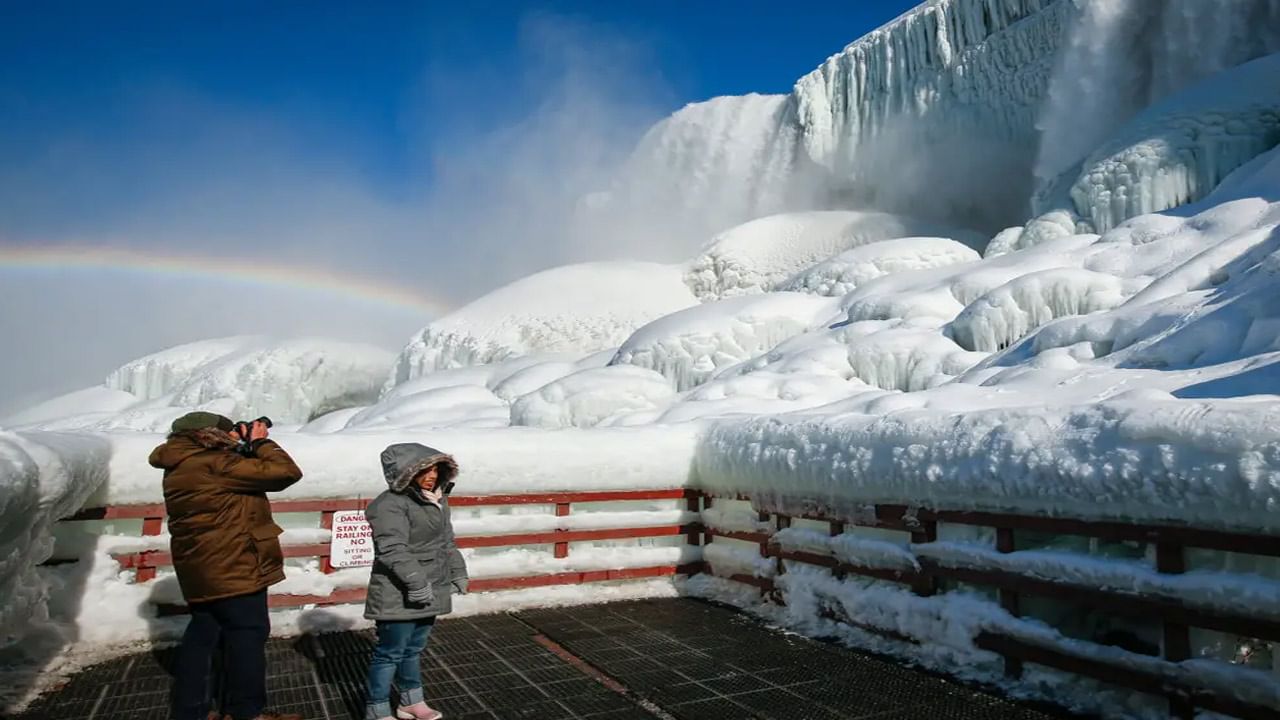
(460, 586)
(422, 595)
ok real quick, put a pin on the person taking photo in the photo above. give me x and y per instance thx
(226, 553)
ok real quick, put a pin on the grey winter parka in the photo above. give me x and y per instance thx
(413, 539)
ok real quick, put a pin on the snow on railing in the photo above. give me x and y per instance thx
(145, 563)
(1240, 605)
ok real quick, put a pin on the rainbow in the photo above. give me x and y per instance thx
(60, 257)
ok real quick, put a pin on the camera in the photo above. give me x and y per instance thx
(242, 428)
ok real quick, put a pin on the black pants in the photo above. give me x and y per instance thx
(240, 626)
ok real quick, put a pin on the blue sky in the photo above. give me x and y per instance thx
(372, 91)
(437, 145)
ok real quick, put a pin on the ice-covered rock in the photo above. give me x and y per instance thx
(572, 309)
(1178, 150)
(592, 397)
(843, 273)
(760, 255)
(690, 346)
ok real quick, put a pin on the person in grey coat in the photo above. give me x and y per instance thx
(416, 570)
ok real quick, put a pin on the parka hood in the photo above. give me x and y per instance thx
(402, 462)
(185, 443)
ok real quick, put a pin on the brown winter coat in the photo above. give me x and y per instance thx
(224, 541)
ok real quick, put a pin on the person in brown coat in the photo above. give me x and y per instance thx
(226, 552)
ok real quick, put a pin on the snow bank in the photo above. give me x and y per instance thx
(760, 255)
(689, 346)
(42, 479)
(572, 309)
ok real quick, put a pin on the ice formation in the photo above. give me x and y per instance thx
(760, 255)
(576, 308)
(964, 77)
(710, 165)
(689, 346)
(1178, 150)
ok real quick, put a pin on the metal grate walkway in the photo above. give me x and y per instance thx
(640, 660)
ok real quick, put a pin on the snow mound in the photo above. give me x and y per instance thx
(593, 397)
(1049, 226)
(457, 405)
(843, 273)
(1006, 314)
(763, 391)
(572, 309)
(760, 255)
(531, 377)
(96, 401)
(1178, 150)
(689, 346)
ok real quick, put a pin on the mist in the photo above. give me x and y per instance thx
(490, 195)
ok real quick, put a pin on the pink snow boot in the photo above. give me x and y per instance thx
(418, 711)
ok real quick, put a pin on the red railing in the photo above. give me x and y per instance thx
(1176, 615)
(146, 562)
(920, 524)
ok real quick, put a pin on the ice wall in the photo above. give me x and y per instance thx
(1178, 150)
(959, 111)
(947, 92)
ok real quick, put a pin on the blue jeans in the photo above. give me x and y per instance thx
(397, 657)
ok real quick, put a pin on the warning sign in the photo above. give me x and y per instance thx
(352, 541)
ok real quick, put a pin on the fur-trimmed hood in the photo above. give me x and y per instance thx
(184, 443)
(402, 462)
